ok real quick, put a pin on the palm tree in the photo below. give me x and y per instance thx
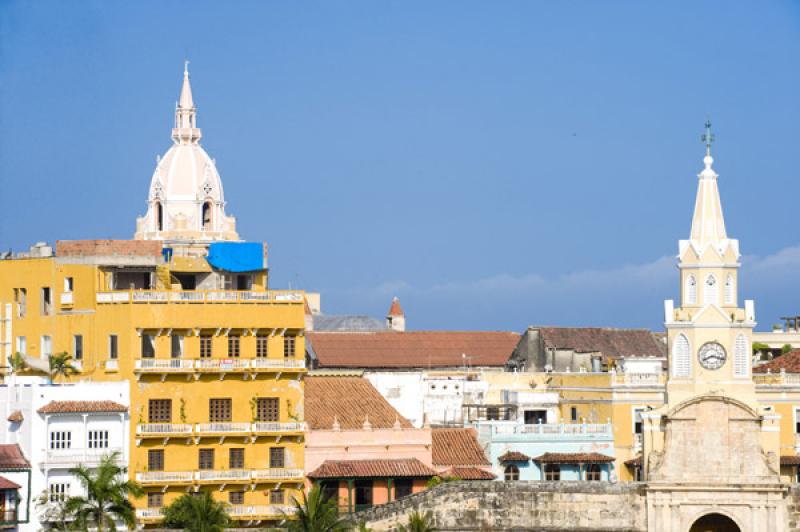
(197, 513)
(418, 522)
(17, 362)
(317, 513)
(60, 366)
(107, 496)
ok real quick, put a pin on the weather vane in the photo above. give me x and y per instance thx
(708, 136)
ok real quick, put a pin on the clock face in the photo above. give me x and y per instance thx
(712, 355)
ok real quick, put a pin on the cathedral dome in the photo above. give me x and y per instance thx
(186, 201)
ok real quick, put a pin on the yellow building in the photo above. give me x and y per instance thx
(214, 359)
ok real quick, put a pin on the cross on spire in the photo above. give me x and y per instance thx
(708, 137)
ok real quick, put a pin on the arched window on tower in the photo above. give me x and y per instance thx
(729, 298)
(681, 357)
(691, 290)
(206, 216)
(741, 357)
(711, 291)
(159, 217)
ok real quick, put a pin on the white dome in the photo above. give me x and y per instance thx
(186, 201)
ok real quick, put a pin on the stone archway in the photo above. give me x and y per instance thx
(715, 523)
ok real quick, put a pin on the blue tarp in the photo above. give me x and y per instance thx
(236, 256)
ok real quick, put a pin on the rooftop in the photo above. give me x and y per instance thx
(456, 447)
(80, 407)
(610, 342)
(416, 349)
(398, 468)
(468, 473)
(788, 362)
(573, 458)
(350, 402)
(11, 458)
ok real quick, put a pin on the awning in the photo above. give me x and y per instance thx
(574, 458)
(236, 256)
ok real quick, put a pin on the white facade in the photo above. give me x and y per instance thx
(54, 443)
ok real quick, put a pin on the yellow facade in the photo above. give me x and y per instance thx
(116, 325)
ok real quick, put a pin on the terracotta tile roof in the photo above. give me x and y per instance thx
(415, 349)
(351, 400)
(573, 458)
(456, 447)
(611, 343)
(79, 407)
(468, 473)
(634, 462)
(6, 484)
(11, 458)
(16, 417)
(396, 309)
(789, 362)
(513, 456)
(790, 460)
(405, 467)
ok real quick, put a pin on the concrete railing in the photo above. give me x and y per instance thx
(149, 477)
(222, 428)
(276, 473)
(221, 364)
(66, 298)
(217, 475)
(639, 379)
(80, 456)
(222, 474)
(149, 513)
(160, 430)
(274, 426)
(163, 429)
(214, 365)
(778, 379)
(259, 510)
(164, 364)
(199, 296)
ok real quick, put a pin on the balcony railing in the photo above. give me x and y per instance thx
(199, 296)
(222, 428)
(112, 365)
(79, 456)
(164, 477)
(276, 474)
(274, 426)
(561, 431)
(163, 429)
(8, 517)
(639, 379)
(149, 513)
(777, 379)
(66, 299)
(222, 474)
(259, 510)
(215, 365)
(217, 475)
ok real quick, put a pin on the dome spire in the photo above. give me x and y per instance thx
(186, 130)
(708, 224)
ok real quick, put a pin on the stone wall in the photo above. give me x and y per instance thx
(540, 506)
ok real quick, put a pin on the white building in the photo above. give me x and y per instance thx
(61, 426)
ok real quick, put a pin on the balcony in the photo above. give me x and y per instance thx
(222, 365)
(189, 297)
(223, 475)
(164, 365)
(638, 379)
(8, 517)
(112, 365)
(271, 364)
(74, 457)
(265, 511)
(275, 474)
(517, 432)
(149, 514)
(66, 299)
(267, 427)
(163, 430)
(165, 477)
(222, 429)
(777, 379)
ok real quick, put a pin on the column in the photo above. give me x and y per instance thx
(389, 497)
(349, 495)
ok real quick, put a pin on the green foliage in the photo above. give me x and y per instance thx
(434, 481)
(197, 513)
(107, 496)
(418, 522)
(61, 366)
(17, 363)
(362, 527)
(317, 513)
(786, 348)
(758, 346)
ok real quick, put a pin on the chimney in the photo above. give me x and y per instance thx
(396, 318)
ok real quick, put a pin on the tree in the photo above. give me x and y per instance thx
(17, 363)
(107, 496)
(53, 513)
(418, 522)
(197, 513)
(786, 348)
(317, 513)
(61, 366)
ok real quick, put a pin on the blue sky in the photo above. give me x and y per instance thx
(495, 164)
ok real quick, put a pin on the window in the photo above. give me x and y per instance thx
(159, 217)
(98, 439)
(741, 357)
(148, 346)
(236, 458)
(155, 460)
(533, 417)
(113, 346)
(403, 487)
(267, 409)
(59, 491)
(68, 284)
(552, 472)
(206, 216)
(573, 414)
(492, 413)
(593, 472)
(236, 497)
(277, 497)
(691, 290)
(61, 439)
(47, 302)
(638, 424)
(206, 459)
(511, 472)
(22, 345)
(261, 346)
(729, 297)
(233, 346)
(159, 410)
(288, 346)
(797, 420)
(330, 490)
(155, 500)
(276, 457)
(681, 357)
(219, 410)
(47, 346)
(363, 493)
(176, 342)
(77, 347)
(205, 347)
(21, 299)
(710, 291)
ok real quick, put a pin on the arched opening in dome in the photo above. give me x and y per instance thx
(206, 216)
(159, 217)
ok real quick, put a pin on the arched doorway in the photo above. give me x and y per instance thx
(715, 523)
